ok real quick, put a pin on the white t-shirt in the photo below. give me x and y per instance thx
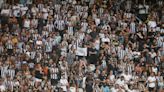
(152, 81)
(39, 42)
(34, 10)
(84, 26)
(64, 83)
(128, 15)
(114, 89)
(80, 90)
(106, 39)
(2, 88)
(45, 13)
(152, 54)
(5, 11)
(155, 70)
(97, 21)
(16, 10)
(101, 35)
(120, 82)
(97, 44)
(72, 89)
(133, 90)
(152, 24)
(27, 23)
(38, 80)
(24, 9)
(127, 77)
(84, 82)
(112, 77)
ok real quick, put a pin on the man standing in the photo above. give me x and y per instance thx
(151, 82)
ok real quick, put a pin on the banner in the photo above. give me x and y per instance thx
(81, 51)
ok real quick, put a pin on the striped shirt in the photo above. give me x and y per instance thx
(57, 7)
(34, 23)
(121, 54)
(159, 41)
(32, 54)
(162, 31)
(31, 65)
(128, 15)
(4, 71)
(34, 10)
(27, 23)
(70, 27)
(56, 16)
(48, 46)
(1, 49)
(9, 44)
(101, 10)
(9, 84)
(84, 26)
(70, 30)
(11, 73)
(60, 24)
(85, 8)
(157, 60)
(133, 27)
(78, 8)
(54, 72)
(40, 6)
(50, 27)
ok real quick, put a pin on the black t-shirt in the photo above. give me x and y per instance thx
(38, 74)
(41, 22)
(92, 57)
(4, 20)
(110, 67)
(141, 46)
(91, 50)
(102, 77)
(151, 36)
(93, 34)
(89, 85)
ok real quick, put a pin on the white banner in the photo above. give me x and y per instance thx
(81, 51)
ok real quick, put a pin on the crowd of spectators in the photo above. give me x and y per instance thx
(82, 46)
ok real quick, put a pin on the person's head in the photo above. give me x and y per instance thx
(116, 86)
(130, 87)
(103, 73)
(152, 50)
(152, 74)
(111, 72)
(126, 72)
(145, 73)
(122, 77)
(159, 74)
